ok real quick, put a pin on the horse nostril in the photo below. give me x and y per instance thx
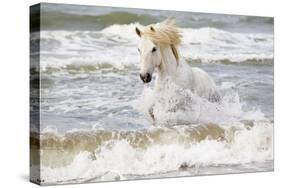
(148, 77)
(145, 78)
(142, 77)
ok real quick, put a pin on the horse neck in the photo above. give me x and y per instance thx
(168, 66)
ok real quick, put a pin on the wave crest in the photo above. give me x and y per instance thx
(205, 45)
(121, 155)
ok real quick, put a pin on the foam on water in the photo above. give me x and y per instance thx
(189, 133)
(218, 45)
(235, 137)
(174, 105)
(115, 160)
(71, 17)
(60, 48)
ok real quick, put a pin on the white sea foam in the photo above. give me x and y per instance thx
(117, 46)
(115, 160)
(217, 45)
(174, 105)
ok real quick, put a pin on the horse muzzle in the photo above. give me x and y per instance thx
(146, 78)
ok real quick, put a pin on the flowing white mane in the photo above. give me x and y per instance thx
(164, 34)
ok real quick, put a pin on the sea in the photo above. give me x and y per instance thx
(94, 122)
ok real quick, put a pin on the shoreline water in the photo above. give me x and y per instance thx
(267, 166)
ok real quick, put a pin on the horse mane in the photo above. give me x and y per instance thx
(164, 34)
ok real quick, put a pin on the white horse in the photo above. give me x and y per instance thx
(158, 50)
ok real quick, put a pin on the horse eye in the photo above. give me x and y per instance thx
(153, 49)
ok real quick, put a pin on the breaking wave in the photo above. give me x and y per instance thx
(68, 17)
(184, 140)
(104, 155)
(187, 136)
(60, 49)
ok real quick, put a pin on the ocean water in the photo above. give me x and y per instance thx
(94, 107)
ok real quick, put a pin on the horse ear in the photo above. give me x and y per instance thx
(152, 28)
(138, 32)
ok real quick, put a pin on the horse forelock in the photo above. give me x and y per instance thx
(164, 34)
